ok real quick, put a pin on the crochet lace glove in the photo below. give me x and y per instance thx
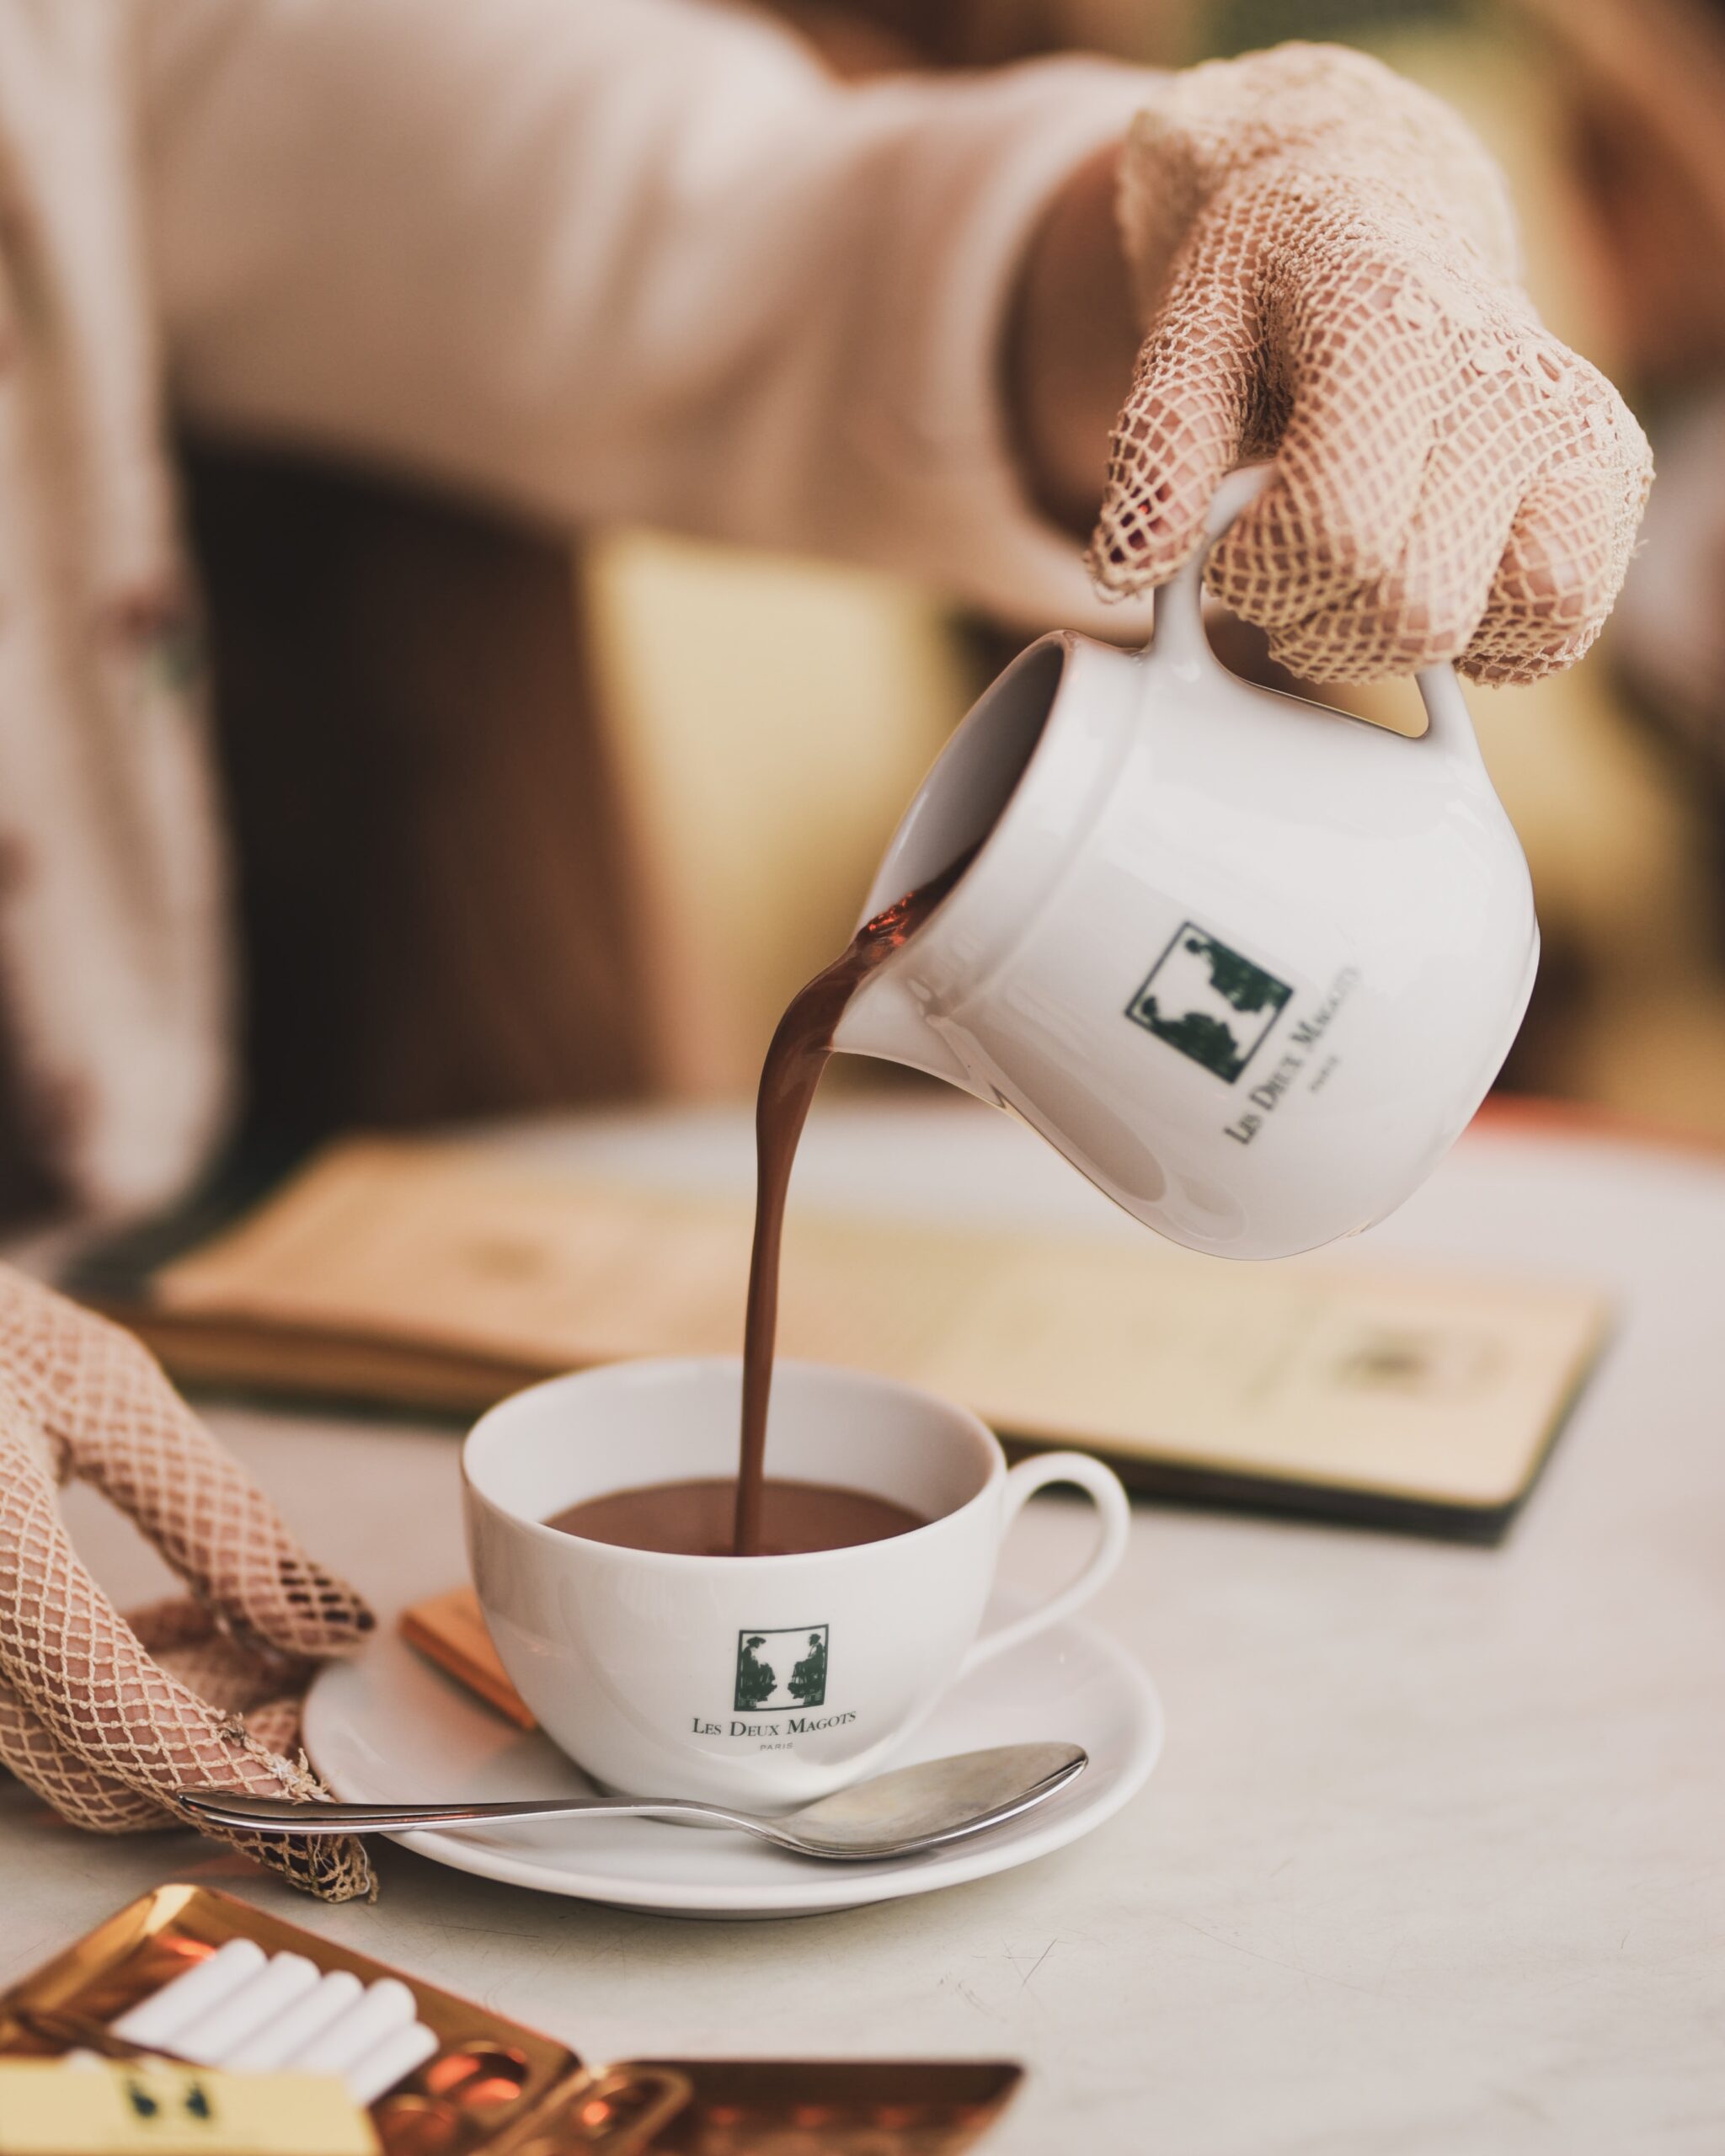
(105, 1717)
(1325, 264)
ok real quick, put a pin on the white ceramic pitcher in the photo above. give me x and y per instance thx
(1249, 963)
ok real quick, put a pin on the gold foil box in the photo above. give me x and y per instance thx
(495, 2085)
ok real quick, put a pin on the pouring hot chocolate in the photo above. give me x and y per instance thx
(1249, 963)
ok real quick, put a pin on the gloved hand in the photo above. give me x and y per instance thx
(105, 1718)
(1325, 265)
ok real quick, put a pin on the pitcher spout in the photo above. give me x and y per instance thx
(887, 1021)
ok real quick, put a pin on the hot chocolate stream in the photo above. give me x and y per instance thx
(796, 1056)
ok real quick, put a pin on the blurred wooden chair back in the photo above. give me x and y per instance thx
(434, 880)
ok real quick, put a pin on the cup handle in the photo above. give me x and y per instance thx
(1102, 1485)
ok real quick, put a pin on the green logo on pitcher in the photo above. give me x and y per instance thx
(1209, 1002)
(781, 1667)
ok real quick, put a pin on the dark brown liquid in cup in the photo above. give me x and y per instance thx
(698, 1518)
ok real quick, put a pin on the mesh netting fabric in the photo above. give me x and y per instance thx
(105, 1718)
(1327, 270)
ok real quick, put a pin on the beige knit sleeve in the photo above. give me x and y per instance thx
(629, 259)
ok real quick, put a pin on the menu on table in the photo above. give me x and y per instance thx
(443, 1275)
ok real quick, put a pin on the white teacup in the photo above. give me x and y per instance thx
(649, 1668)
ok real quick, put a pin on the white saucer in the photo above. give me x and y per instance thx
(389, 1727)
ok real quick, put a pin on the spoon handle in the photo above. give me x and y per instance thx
(283, 1816)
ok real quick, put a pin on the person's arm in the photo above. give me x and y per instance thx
(1072, 339)
(647, 262)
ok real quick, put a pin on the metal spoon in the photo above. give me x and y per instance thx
(899, 1814)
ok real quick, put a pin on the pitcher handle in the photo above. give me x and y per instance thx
(1449, 723)
(1179, 639)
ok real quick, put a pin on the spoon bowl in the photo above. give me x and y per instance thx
(927, 1807)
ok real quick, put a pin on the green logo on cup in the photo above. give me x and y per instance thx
(1209, 1002)
(781, 1666)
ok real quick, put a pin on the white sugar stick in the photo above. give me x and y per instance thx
(392, 2061)
(282, 1982)
(387, 2007)
(308, 2017)
(160, 2016)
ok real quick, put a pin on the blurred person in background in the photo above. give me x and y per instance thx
(650, 261)
(1642, 148)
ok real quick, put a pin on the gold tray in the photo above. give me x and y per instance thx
(497, 2086)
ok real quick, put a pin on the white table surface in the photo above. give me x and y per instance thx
(1433, 1862)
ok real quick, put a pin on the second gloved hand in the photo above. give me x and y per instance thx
(105, 1717)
